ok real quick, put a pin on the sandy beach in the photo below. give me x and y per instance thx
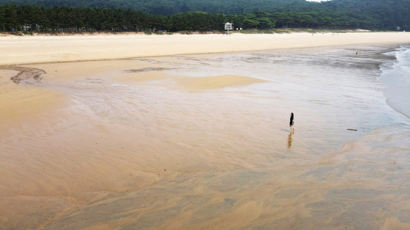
(38, 49)
(191, 132)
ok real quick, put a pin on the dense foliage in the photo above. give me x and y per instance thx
(64, 19)
(168, 7)
(336, 14)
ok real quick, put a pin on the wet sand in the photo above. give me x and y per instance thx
(216, 82)
(202, 142)
(21, 102)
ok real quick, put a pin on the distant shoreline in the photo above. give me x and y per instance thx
(94, 47)
(248, 31)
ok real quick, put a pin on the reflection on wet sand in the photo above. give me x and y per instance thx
(290, 140)
(194, 147)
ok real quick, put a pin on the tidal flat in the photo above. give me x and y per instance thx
(203, 142)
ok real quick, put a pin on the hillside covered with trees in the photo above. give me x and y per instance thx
(169, 7)
(196, 15)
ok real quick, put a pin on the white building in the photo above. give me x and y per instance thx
(228, 27)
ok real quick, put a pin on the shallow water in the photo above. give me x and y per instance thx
(397, 81)
(128, 152)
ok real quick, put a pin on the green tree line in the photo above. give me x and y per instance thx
(170, 7)
(65, 19)
(68, 19)
(390, 11)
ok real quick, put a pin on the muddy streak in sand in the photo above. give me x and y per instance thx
(25, 75)
(149, 69)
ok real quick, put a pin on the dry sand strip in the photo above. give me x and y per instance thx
(41, 49)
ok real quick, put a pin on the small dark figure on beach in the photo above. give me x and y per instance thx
(292, 122)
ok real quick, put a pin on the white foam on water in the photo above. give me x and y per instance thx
(397, 81)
